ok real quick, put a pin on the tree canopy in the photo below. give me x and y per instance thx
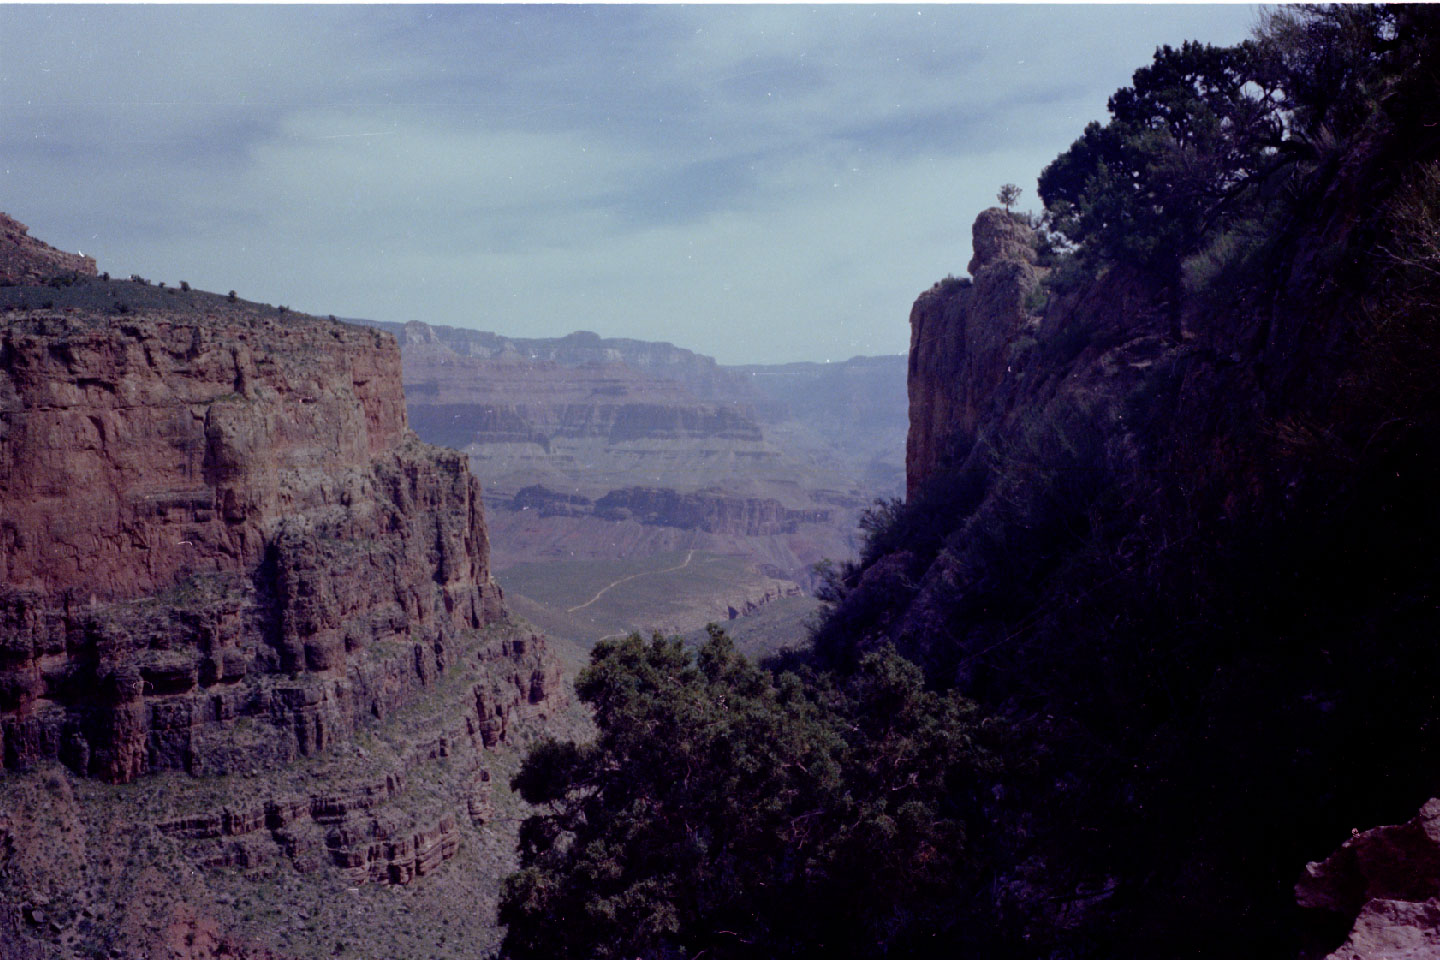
(727, 810)
(1191, 132)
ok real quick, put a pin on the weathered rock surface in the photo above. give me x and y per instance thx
(1388, 880)
(23, 259)
(234, 582)
(1394, 930)
(962, 337)
(209, 512)
(469, 388)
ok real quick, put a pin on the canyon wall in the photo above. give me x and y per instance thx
(213, 511)
(710, 511)
(1176, 517)
(469, 388)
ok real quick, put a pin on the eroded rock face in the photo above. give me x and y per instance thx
(1388, 880)
(214, 512)
(23, 259)
(480, 403)
(962, 335)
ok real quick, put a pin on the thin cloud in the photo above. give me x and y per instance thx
(757, 183)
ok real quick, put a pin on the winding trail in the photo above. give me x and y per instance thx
(604, 590)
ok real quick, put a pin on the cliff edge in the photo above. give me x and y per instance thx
(962, 334)
(224, 555)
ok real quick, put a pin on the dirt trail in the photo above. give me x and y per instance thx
(604, 590)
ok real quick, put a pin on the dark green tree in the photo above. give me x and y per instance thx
(725, 810)
(1184, 139)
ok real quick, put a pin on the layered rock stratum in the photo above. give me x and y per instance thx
(594, 448)
(225, 556)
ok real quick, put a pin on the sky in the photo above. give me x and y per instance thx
(762, 184)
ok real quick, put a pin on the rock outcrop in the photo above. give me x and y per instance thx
(962, 338)
(234, 583)
(213, 511)
(1387, 882)
(1181, 527)
(25, 260)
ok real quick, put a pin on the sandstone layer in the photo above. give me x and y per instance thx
(711, 511)
(470, 388)
(235, 583)
(212, 511)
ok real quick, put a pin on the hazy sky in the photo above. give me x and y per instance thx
(761, 184)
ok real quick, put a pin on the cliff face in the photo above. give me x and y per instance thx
(962, 341)
(1182, 528)
(471, 389)
(702, 377)
(214, 512)
(234, 581)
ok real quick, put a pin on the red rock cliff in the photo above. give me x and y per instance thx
(212, 510)
(961, 336)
